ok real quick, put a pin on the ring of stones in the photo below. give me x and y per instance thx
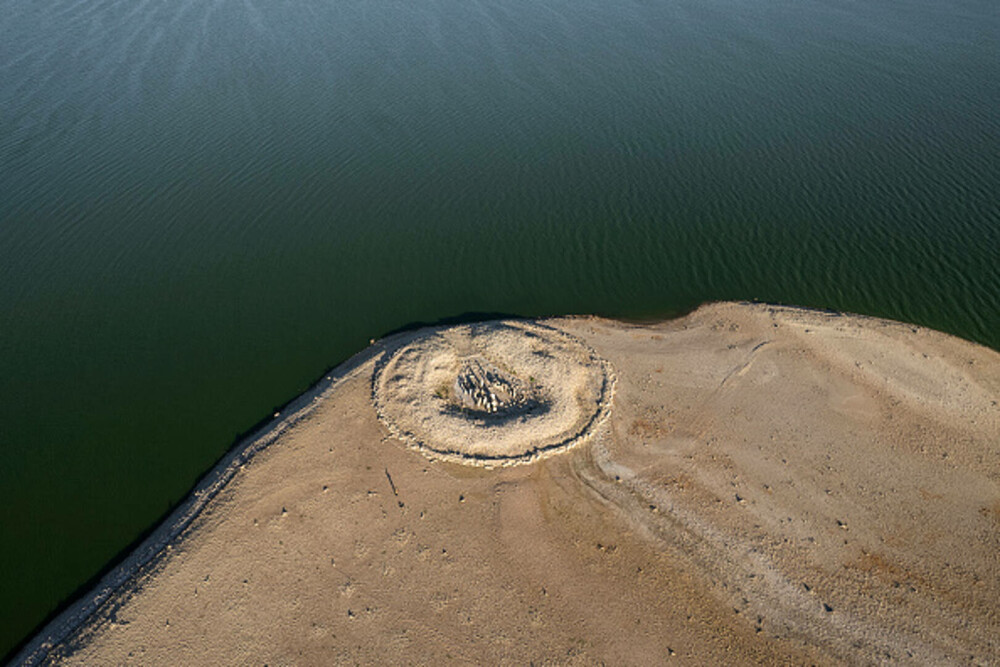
(493, 393)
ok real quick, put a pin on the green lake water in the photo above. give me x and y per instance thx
(205, 203)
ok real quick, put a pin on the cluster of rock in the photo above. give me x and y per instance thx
(482, 387)
(452, 393)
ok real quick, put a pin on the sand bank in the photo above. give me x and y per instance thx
(745, 484)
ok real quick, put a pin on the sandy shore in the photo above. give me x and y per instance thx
(745, 484)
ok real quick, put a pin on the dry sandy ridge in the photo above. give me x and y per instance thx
(770, 485)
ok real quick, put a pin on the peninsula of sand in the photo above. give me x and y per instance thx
(746, 484)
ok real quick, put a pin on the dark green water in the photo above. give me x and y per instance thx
(204, 203)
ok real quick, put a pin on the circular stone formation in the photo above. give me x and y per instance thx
(493, 393)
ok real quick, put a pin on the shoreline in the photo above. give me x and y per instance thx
(170, 532)
(116, 587)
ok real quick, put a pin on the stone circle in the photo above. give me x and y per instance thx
(493, 393)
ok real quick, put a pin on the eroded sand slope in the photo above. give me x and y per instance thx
(770, 485)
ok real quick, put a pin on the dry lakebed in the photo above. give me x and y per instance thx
(745, 484)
